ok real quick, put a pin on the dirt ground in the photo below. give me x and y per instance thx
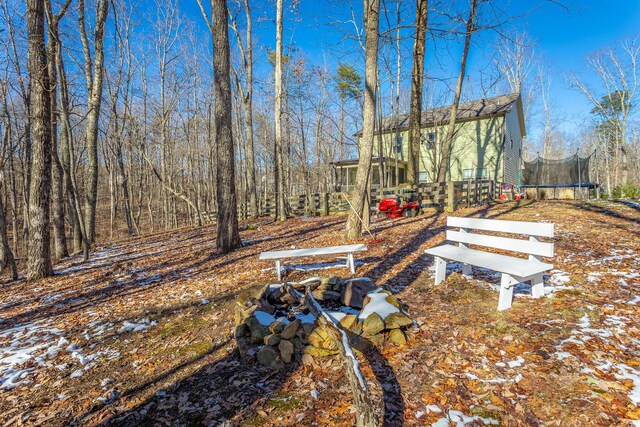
(141, 335)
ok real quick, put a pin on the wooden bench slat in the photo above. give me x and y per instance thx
(328, 250)
(505, 243)
(501, 263)
(543, 229)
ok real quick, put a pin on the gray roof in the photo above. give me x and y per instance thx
(477, 109)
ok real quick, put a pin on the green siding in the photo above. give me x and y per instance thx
(478, 144)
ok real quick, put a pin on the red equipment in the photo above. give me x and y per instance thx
(392, 209)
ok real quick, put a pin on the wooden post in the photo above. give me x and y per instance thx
(451, 196)
(324, 204)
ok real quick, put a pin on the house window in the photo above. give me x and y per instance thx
(423, 176)
(474, 173)
(429, 140)
(398, 144)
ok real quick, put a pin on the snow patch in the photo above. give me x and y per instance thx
(128, 326)
(264, 318)
(378, 304)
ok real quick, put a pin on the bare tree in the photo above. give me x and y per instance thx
(94, 77)
(361, 194)
(228, 237)
(415, 110)
(443, 166)
(39, 259)
(281, 208)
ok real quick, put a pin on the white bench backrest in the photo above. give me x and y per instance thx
(533, 229)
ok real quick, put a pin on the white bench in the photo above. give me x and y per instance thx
(514, 270)
(329, 250)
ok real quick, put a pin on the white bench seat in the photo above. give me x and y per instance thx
(503, 263)
(513, 270)
(327, 250)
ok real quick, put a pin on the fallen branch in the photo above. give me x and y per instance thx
(365, 413)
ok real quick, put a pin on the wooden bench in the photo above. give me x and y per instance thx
(329, 250)
(514, 270)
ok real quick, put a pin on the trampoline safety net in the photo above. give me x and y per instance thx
(567, 171)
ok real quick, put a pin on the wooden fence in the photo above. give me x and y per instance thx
(450, 196)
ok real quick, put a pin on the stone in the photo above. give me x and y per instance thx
(266, 307)
(286, 350)
(325, 295)
(320, 338)
(288, 299)
(351, 323)
(275, 294)
(257, 335)
(243, 344)
(354, 291)
(373, 324)
(391, 299)
(277, 327)
(397, 320)
(377, 340)
(242, 330)
(272, 339)
(318, 352)
(241, 313)
(397, 337)
(289, 331)
(267, 356)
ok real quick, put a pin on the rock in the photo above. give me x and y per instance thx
(373, 324)
(355, 290)
(242, 330)
(267, 356)
(377, 340)
(325, 295)
(320, 338)
(391, 299)
(309, 327)
(277, 327)
(348, 321)
(318, 352)
(266, 307)
(274, 294)
(397, 337)
(288, 299)
(257, 335)
(272, 339)
(286, 350)
(397, 320)
(243, 344)
(241, 313)
(289, 331)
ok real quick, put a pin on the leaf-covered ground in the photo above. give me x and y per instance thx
(141, 335)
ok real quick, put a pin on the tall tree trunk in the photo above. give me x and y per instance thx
(6, 256)
(94, 82)
(60, 240)
(360, 196)
(228, 236)
(451, 129)
(248, 103)
(281, 209)
(415, 108)
(39, 257)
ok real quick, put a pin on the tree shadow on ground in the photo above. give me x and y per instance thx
(231, 391)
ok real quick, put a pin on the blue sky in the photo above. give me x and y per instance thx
(565, 36)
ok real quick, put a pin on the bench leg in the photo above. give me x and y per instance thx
(441, 270)
(466, 270)
(506, 292)
(537, 286)
(278, 272)
(350, 264)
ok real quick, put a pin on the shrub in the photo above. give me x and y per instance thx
(626, 190)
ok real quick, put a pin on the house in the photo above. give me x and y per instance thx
(487, 144)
